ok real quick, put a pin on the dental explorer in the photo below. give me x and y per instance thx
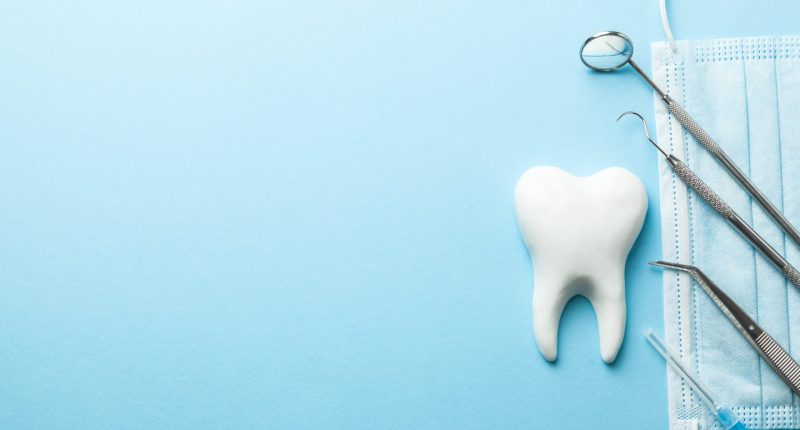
(703, 190)
(611, 50)
(725, 415)
(773, 353)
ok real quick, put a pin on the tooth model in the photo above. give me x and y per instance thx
(579, 231)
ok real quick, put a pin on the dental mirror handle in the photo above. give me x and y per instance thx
(691, 125)
(703, 190)
(695, 130)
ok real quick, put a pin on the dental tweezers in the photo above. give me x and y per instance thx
(715, 201)
(771, 351)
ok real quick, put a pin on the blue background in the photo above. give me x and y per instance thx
(299, 215)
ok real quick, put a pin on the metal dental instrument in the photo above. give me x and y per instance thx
(703, 190)
(778, 359)
(611, 50)
(725, 415)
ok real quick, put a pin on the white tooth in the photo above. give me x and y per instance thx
(579, 231)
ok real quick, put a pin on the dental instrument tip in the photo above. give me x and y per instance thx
(646, 132)
(666, 264)
(661, 263)
(675, 266)
(630, 112)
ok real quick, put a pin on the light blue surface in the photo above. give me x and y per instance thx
(299, 215)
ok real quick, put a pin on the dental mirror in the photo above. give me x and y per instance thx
(606, 51)
(611, 50)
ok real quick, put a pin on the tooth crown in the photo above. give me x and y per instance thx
(579, 231)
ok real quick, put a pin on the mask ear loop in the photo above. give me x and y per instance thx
(662, 10)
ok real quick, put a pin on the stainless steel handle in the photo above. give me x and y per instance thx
(783, 363)
(694, 128)
(694, 182)
(780, 361)
(715, 201)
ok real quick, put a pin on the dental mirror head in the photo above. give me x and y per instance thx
(606, 51)
(610, 50)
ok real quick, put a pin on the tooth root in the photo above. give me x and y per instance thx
(609, 307)
(548, 304)
(550, 296)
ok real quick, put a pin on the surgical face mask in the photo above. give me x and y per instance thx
(746, 94)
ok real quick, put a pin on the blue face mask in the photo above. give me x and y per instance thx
(746, 94)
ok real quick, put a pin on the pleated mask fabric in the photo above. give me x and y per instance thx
(745, 92)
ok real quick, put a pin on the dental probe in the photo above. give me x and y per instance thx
(703, 190)
(725, 415)
(778, 359)
(611, 50)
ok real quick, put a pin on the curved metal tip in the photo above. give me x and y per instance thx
(630, 112)
(646, 132)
